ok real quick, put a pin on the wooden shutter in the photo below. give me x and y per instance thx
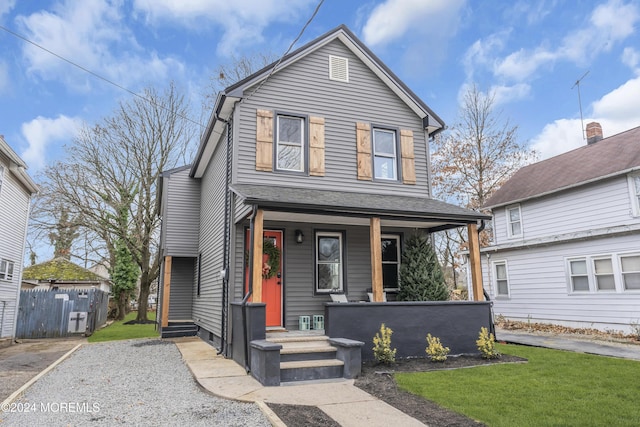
(316, 146)
(363, 142)
(408, 157)
(264, 140)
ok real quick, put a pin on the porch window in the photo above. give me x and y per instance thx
(390, 261)
(579, 275)
(6, 270)
(603, 272)
(514, 221)
(630, 272)
(290, 143)
(385, 154)
(501, 279)
(329, 262)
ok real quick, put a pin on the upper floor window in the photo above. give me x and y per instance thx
(290, 143)
(385, 154)
(329, 262)
(390, 261)
(501, 278)
(634, 189)
(6, 270)
(514, 221)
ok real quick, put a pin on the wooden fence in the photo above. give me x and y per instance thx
(61, 313)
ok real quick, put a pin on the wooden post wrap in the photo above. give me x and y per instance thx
(166, 291)
(258, 240)
(376, 259)
(474, 259)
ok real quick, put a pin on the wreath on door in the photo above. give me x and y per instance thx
(272, 266)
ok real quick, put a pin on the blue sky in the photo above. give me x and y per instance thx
(530, 53)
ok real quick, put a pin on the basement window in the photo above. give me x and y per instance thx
(338, 68)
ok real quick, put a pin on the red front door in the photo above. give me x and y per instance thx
(271, 286)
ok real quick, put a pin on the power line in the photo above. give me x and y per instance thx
(86, 70)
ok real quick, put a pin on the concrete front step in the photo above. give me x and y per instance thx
(305, 370)
(179, 329)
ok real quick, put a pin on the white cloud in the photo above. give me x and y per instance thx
(242, 21)
(92, 35)
(631, 58)
(41, 132)
(393, 19)
(519, 65)
(616, 112)
(505, 94)
(6, 6)
(482, 52)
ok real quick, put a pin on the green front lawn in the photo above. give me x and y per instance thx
(555, 388)
(119, 331)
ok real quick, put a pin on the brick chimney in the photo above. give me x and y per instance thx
(594, 132)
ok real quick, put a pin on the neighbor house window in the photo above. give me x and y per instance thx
(6, 270)
(514, 221)
(329, 262)
(385, 154)
(634, 188)
(630, 268)
(579, 275)
(501, 279)
(603, 272)
(390, 261)
(290, 143)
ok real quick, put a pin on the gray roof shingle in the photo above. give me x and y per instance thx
(611, 156)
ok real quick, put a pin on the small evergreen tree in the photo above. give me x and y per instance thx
(421, 277)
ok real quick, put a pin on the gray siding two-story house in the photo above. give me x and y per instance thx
(16, 189)
(566, 248)
(308, 179)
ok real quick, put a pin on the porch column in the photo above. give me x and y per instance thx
(376, 259)
(257, 256)
(474, 259)
(166, 291)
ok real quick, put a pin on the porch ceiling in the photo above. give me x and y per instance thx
(339, 207)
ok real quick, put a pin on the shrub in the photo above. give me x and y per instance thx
(436, 351)
(382, 346)
(487, 344)
(421, 277)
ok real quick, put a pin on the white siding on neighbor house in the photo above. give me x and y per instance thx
(594, 206)
(540, 292)
(207, 307)
(305, 88)
(180, 215)
(14, 212)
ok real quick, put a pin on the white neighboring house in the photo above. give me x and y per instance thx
(16, 189)
(566, 246)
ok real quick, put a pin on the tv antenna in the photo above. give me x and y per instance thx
(577, 83)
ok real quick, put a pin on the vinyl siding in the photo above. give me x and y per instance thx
(539, 288)
(304, 88)
(14, 211)
(182, 288)
(181, 215)
(207, 308)
(599, 205)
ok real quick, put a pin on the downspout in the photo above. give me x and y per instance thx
(4, 305)
(247, 366)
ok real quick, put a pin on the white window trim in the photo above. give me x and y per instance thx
(616, 261)
(395, 237)
(494, 272)
(508, 219)
(595, 274)
(634, 198)
(339, 235)
(303, 134)
(9, 265)
(620, 283)
(385, 155)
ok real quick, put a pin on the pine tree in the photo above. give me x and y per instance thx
(421, 277)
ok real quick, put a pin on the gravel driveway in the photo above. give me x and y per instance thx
(136, 382)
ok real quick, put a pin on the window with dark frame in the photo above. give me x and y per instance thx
(390, 261)
(290, 143)
(198, 274)
(329, 262)
(385, 154)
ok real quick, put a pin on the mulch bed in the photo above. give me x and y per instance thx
(378, 381)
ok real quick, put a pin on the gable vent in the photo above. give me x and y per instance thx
(338, 68)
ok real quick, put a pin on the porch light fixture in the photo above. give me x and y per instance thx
(299, 236)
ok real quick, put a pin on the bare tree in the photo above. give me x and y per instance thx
(472, 160)
(113, 167)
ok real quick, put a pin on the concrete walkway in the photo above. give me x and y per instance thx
(344, 402)
(570, 343)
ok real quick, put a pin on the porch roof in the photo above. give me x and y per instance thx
(434, 214)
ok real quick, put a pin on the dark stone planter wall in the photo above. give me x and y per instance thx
(255, 318)
(456, 323)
